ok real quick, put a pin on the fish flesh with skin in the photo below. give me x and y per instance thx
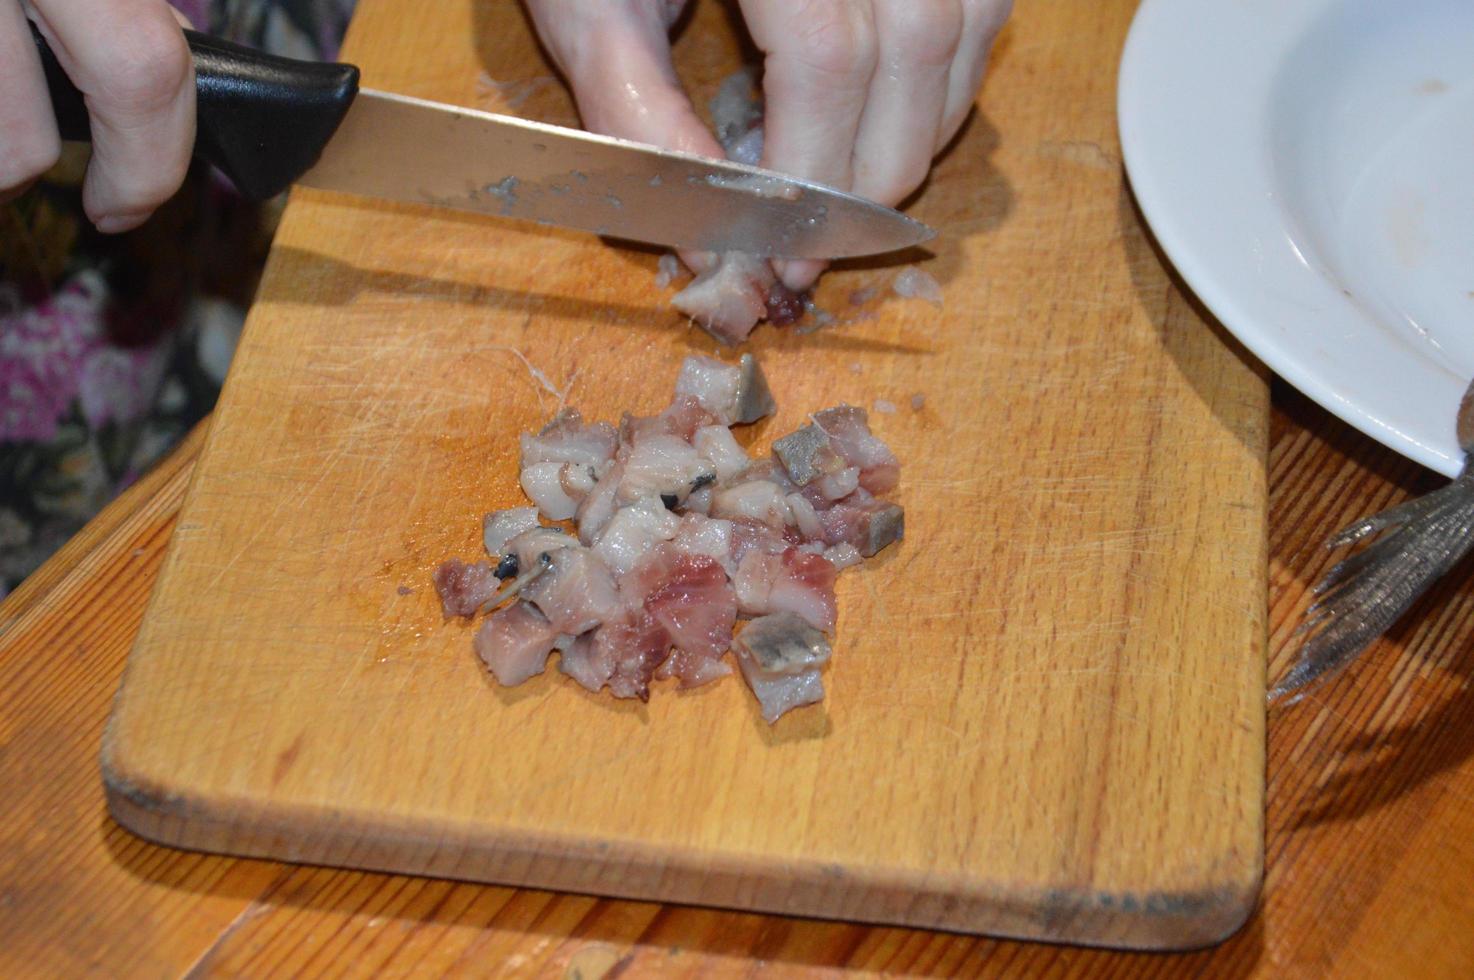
(687, 547)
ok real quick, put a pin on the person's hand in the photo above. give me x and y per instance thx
(860, 94)
(131, 63)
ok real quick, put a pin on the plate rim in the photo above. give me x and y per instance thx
(1141, 67)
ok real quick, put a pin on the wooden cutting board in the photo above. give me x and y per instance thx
(1046, 707)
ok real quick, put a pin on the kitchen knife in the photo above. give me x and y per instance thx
(267, 122)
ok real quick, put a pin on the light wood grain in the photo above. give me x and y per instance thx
(1045, 714)
(1368, 818)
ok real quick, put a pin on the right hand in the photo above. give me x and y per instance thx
(130, 61)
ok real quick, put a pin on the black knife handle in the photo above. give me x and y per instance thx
(262, 120)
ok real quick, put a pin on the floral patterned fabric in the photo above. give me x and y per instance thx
(112, 347)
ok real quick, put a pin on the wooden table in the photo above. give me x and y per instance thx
(1368, 849)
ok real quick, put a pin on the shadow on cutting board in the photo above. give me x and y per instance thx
(322, 280)
(1150, 271)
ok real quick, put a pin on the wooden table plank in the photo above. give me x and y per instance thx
(67, 872)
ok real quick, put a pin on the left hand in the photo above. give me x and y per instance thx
(860, 94)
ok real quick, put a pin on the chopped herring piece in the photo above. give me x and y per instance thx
(842, 556)
(699, 502)
(729, 297)
(914, 283)
(543, 483)
(841, 484)
(733, 291)
(463, 588)
(805, 586)
(667, 270)
(734, 393)
(694, 602)
(515, 642)
(805, 518)
(772, 471)
(782, 644)
(530, 546)
(633, 532)
(807, 455)
(680, 532)
(661, 465)
(681, 418)
(867, 525)
(780, 656)
(598, 507)
(784, 306)
(754, 398)
(699, 536)
(576, 592)
(588, 663)
(749, 535)
(848, 429)
(634, 647)
(692, 669)
(567, 440)
(796, 581)
(756, 500)
(501, 526)
(753, 582)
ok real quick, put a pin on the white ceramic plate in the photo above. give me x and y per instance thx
(1308, 166)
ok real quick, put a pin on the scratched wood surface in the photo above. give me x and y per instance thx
(1045, 713)
(1368, 837)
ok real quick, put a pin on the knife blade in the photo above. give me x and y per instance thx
(400, 148)
(267, 122)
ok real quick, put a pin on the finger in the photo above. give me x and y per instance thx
(820, 58)
(130, 61)
(981, 22)
(903, 114)
(29, 144)
(616, 55)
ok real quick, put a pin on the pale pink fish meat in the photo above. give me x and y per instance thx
(463, 588)
(780, 656)
(515, 642)
(681, 532)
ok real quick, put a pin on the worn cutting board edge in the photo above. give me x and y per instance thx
(152, 801)
(149, 806)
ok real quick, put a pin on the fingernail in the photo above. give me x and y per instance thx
(110, 224)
